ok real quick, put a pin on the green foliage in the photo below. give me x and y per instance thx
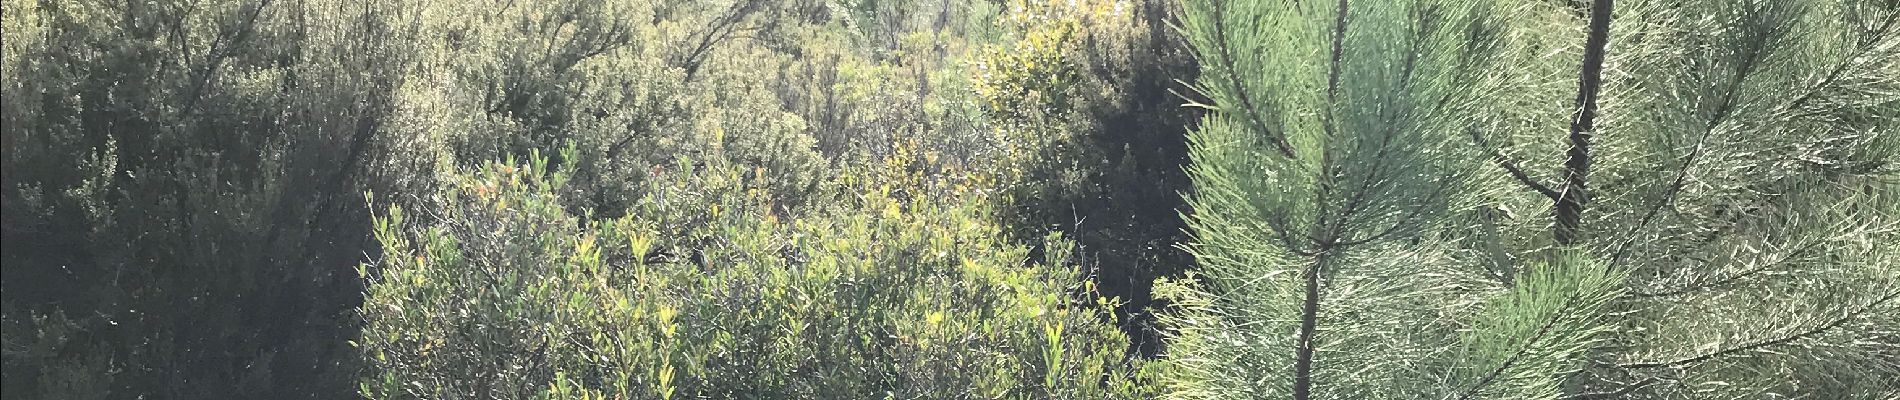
(628, 88)
(1553, 316)
(502, 293)
(181, 183)
(179, 193)
(1736, 199)
(1744, 176)
(876, 199)
(1083, 98)
(1324, 179)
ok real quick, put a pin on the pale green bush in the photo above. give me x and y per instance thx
(706, 292)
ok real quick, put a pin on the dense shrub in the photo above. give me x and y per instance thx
(1087, 100)
(876, 198)
(182, 188)
(503, 293)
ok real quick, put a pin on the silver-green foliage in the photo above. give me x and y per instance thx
(1334, 165)
(1737, 231)
(1745, 179)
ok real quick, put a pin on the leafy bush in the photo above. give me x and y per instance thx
(181, 192)
(503, 293)
(1084, 98)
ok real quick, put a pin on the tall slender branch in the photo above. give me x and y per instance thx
(1309, 307)
(1339, 54)
(1510, 166)
(1576, 194)
(1309, 324)
(215, 57)
(719, 30)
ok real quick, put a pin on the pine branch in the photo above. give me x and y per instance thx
(1866, 46)
(1542, 331)
(1403, 221)
(1575, 194)
(1226, 55)
(1510, 166)
(1823, 328)
(1309, 307)
(1764, 267)
(1722, 112)
(1618, 393)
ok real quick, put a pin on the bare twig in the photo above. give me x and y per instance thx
(1510, 166)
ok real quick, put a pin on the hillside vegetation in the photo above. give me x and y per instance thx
(1024, 199)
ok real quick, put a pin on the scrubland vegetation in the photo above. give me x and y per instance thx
(1025, 199)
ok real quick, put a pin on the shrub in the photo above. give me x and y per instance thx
(503, 293)
(181, 192)
(1085, 100)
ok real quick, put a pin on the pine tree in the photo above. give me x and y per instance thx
(1329, 178)
(1736, 160)
(1719, 224)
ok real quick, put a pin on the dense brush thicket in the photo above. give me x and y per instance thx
(611, 199)
(1088, 97)
(884, 295)
(820, 189)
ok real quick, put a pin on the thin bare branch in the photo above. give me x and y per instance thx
(1510, 166)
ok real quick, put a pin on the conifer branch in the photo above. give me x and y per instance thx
(1575, 194)
(1618, 393)
(1742, 72)
(1725, 280)
(1823, 328)
(1226, 55)
(1510, 167)
(1867, 45)
(1403, 221)
(1542, 331)
(1309, 307)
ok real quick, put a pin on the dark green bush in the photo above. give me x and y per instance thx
(182, 193)
(1087, 99)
